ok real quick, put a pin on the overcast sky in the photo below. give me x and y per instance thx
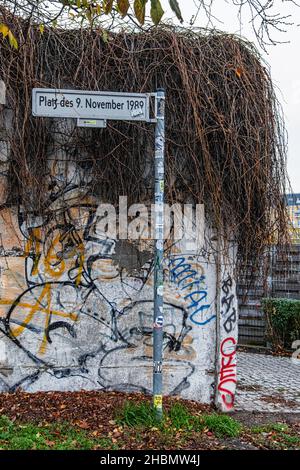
(284, 62)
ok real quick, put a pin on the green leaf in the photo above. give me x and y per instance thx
(42, 28)
(156, 11)
(123, 6)
(175, 7)
(139, 10)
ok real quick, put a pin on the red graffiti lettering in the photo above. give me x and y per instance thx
(227, 374)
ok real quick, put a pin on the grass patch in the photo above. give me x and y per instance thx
(142, 415)
(180, 418)
(15, 436)
(291, 439)
(222, 425)
(136, 415)
(270, 427)
(275, 436)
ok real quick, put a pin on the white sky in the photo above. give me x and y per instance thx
(284, 62)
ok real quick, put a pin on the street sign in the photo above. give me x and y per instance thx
(81, 122)
(90, 104)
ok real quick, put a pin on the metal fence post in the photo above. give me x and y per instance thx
(158, 253)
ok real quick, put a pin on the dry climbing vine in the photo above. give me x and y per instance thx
(225, 134)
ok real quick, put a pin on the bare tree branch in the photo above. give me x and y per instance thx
(266, 17)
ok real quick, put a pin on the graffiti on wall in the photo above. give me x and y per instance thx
(228, 308)
(227, 374)
(87, 305)
(191, 283)
(227, 377)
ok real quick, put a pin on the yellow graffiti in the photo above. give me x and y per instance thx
(51, 259)
(37, 307)
(54, 266)
(34, 242)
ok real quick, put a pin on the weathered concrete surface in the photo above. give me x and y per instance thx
(2, 92)
(76, 306)
(267, 383)
(76, 316)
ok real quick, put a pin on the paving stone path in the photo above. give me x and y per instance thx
(267, 383)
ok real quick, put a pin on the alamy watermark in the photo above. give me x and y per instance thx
(155, 221)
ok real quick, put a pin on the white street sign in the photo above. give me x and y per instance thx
(90, 104)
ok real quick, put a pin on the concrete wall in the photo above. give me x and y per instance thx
(76, 307)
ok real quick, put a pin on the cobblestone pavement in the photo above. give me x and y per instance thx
(267, 383)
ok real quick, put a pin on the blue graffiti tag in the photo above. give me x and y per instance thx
(180, 272)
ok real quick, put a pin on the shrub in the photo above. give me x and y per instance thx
(283, 321)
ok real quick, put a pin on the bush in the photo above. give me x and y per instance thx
(283, 321)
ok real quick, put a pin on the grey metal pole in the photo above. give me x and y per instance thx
(158, 253)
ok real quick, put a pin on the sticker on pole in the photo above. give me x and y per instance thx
(101, 123)
(157, 401)
(82, 104)
(159, 321)
(160, 290)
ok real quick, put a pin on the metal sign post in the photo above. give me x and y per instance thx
(93, 109)
(158, 253)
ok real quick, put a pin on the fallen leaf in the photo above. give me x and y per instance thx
(83, 424)
(50, 443)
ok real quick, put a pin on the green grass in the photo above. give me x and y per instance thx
(276, 436)
(277, 427)
(137, 415)
(222, 425)
(180, 418)
(57, 437)
(138, 424)
(142, 415)
(291, 439)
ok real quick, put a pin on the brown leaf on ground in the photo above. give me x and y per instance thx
(82, 424)
(50, 443)
(94, 413)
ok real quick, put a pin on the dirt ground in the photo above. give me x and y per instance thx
(95, 412)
